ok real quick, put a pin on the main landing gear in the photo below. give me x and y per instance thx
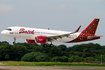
(51, 45)
(14, 40)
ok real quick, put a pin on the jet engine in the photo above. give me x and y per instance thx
(38, 39)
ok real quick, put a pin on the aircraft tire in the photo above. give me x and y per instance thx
(51, 45)
(13, 42)
(44, 45)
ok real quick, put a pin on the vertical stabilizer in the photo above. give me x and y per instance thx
(91, 28)
(89, 32)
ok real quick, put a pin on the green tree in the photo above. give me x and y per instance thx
(89, 59)
(6, 49)
(35, 56)
(55, 59)
(59, 59)
(79, 48)
(36, 48)
(6, 57)
(3, 43)
(20, 51)
(75, 59)
(62, 47)
(1, 58)
(78, 53)
(88, 53)
(71, 53)
(64, 59)
(42, 58)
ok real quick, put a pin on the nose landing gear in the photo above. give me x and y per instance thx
(14, 40)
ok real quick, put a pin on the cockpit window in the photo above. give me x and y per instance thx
(9, 29)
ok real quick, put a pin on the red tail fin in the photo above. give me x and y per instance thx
(89, 32)
(91, 28)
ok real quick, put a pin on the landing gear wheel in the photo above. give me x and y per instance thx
(13, 42)
(51, 45)
(44, 45)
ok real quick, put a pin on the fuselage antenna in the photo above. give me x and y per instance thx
(48, 28)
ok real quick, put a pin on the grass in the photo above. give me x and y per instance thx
(21, 63)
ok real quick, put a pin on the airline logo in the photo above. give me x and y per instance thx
(22, 30)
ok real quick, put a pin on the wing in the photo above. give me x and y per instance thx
(51, 38)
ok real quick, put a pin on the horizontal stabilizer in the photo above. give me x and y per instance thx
(93, 37)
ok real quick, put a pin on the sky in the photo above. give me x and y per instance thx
(65, 15)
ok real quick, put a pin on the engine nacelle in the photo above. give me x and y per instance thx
(30, 41)
(40, 39)
(37, 39)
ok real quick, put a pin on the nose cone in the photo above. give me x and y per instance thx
(3, 33)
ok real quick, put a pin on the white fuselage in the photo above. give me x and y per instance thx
(30, 33)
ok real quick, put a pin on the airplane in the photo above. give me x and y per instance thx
(35, 35)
